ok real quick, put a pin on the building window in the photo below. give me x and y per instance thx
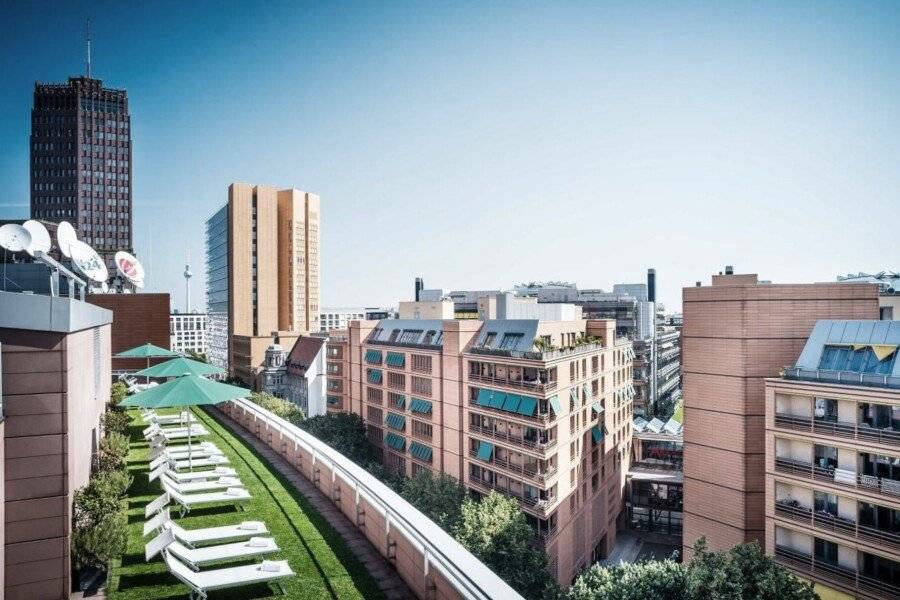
(422, 430)
(374, 414)
(421, 363)
(421, 385)
(396, 380)
(374, 395)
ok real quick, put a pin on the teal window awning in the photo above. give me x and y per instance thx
(397, 442)
(484, 398)
(527, 406)
(511, 404)
(586, 390)
(497, 399)
(395, 359)
(573, 394)
(554, 405)
(420, 406)
(420, 451)
(598, 408)
(485, 450)
(596, 434)
(373, 375)
(400, 401)
(395, 421)
(373, 357)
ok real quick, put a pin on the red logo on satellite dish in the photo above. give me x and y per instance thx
(128, 267)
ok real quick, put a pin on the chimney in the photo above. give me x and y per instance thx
(651, 285)
(420, 285)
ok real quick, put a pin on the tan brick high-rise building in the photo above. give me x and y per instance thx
(272, 272)
(736, 333)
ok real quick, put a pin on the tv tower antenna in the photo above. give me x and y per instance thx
(88, 40)
(187, 283)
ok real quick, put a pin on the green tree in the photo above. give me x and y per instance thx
(117, 392)
(286, 410)
(345, 432)
(660, 580)
(494, 529)
(194, 355)
(115, 421)
(113, 451)
(440, 497)
(99, 523)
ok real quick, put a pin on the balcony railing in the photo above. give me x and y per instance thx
(520, 470)
(887, 437)
(536, 445)
(531, 503)
(793, 511)
(544, 419)
(840, 477)
(545, 355)
(867, 587)
(831, 523)
(842, 377)
(532, 386)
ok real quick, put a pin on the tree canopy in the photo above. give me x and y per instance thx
(439, 497)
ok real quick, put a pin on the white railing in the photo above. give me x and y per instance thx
(470, 577)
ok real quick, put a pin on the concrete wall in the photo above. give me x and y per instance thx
(55, 386)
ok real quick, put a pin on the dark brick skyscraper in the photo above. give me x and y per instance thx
(81, 161)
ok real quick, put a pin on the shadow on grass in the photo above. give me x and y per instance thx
(360, 576)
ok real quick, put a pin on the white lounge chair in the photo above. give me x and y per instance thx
(198, 431)
(233, 495)
(169, 433)
(198, 557)
(196, 463)
(156, 505)
(194, 487)
(216, 473)
(176, 419)
(194, 451)
(206, 535)
(230, 577)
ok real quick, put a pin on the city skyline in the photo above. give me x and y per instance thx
(763, 138)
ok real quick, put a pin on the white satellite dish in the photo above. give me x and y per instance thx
(40, 237)
(88, 261)
(130, 268)
(65, 236)
(14, 238)
(104, 287)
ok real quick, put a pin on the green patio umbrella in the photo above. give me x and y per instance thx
(190, 390)
(147, 351)
(178, 367)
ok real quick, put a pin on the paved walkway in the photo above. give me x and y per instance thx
(384, 574)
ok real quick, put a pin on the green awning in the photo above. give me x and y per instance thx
(397, 442)
(420, 406)
(420, 451)
(395, 359)
(527, 406)
(373, 375)
(554, 405)
(598, 408)
(485, 450)
(586, 390)
(511, 404)
(395, 421)
(573, 395)
(596, 434)
(484, 398)
(400, 401)
(373, 357)
(497, 399)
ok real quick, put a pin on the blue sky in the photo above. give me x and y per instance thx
(480, 145)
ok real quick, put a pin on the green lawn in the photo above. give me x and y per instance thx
(325, 567)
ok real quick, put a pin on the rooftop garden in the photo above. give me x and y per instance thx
(324, 565)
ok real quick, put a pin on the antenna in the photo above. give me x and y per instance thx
(187, 283)
(88, 39)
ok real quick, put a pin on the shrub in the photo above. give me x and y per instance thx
(117, 393)
(115, 421)
(286, 410)
(113, 450)
(104, 539)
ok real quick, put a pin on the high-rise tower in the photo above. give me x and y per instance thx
(81, 161)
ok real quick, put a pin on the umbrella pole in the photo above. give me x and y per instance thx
(147, 378)
(190, 448)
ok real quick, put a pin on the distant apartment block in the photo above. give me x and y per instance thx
(481, 401)
(263, 274)
(188, 332)
(832, 497)
(332, 318)
(888, 283)
(736, 333)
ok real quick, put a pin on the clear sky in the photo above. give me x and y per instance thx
(480, 145)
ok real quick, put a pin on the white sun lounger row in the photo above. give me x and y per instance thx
(236, 496)
(198, 450)
(195, 558)
(170, 433)
(192, 538)
(203, 475)
(184, 461)
(151, 417)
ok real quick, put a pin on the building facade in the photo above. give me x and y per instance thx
(81, 162)
(263, 259)
(337, 373)
(477, 400)
(888, 283)
(331, 319)
(833, 459)
(137, 319)
(217, 288)
(187, 332)
(736, 333)
(55, 357)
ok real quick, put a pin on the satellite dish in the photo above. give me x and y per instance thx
(14, 238)
(65, 236)
(104, 287)
(88, 261)
(130, 268)
(40, 238)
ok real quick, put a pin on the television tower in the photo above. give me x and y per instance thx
(187, 285)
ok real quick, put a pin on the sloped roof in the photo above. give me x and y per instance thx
(305, 350)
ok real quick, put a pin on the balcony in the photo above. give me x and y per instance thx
(793, 510)
(853, 431)
(537, 446)
(542, 419)
(533, 474)
(535, 505)
(866, 587)
(824, 521)
(840, 477)
(544, 356)
(529, 386)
